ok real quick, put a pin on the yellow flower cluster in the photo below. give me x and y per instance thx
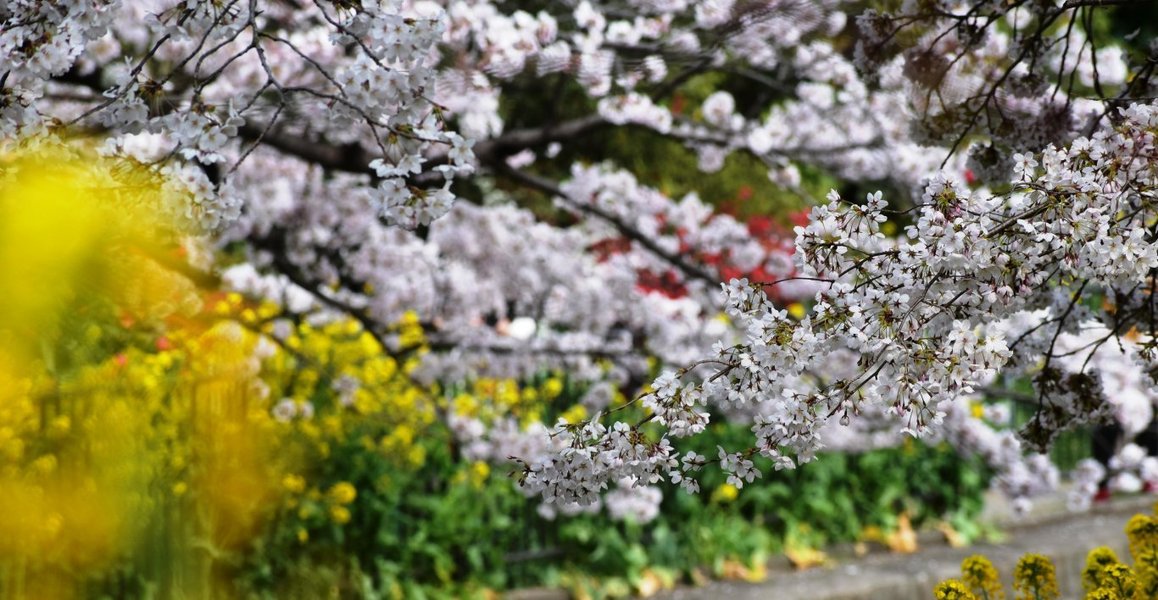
(487, 399)
(317, 360)
(952, 589)
(340, 495)
(410, 333)
(475, 474)
(981, 577)
(294, 484)
(1104, 577)
(84, 433)
(343, 493)
(1034, 578)
(1103, 594)
(134, 410)
(1119, 579)
(1142, 534)
(1096, 561)
(85, 450)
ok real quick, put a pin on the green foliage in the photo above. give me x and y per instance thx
(435, 533)
(841, 495)
(741, 186)
(446, 527)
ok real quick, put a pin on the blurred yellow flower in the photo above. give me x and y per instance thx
(552, 388)
(416, 456)
(44, 465)
(178, 422)
(343, 492)
(340, 514)
(726, 493)
(575, 414)
(479, 471)
(84, 245)
(294, 484)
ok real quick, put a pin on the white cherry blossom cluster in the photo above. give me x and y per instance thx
(1020, 72)
(479, 271)
(1129, 471)
(920, 311)
(634, 502)
(217, 79)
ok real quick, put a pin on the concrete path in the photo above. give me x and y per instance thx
(1050, 530)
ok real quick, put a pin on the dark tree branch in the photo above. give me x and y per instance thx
(689, 269)
(1095, 3)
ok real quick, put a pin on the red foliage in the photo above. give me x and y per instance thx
(774, 237)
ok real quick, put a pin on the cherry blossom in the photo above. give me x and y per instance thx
(371, 158)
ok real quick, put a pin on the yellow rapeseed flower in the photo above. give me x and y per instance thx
(479, 471)
(340, 514)
(294, 484)
(1120, 579)
(80, 235)
(44, 465)
(981, 576)
(485, 387)
(465, 405)
(552, 388)
(507, 393)
(952, 589)
(410, 333)
(1096, 561)
(60, 427)
(1142, 533)
(416, 456)
(726, 493)
(343, 492)
(530, 417)
(575, 414)
(1146, 571)
(1034, 578)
